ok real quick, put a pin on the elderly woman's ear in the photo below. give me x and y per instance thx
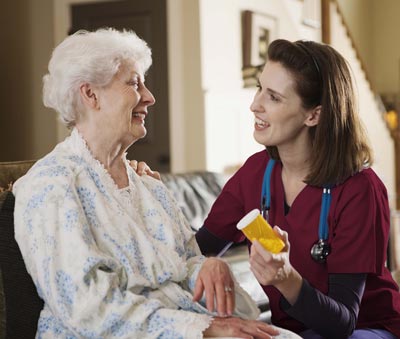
(88, 96)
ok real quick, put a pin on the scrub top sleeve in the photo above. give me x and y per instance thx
(226, 212)
(360, 227)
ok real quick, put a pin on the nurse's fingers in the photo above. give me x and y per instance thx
(259, 253)
(284, 236)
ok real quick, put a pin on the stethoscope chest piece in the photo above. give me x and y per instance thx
(320, 251)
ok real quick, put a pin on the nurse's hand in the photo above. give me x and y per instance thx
(215, 279)
(276, 269)
(240, 328)
(142, 168)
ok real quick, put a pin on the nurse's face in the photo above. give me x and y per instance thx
(280, 119)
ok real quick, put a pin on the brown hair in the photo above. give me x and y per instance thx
(339, 144)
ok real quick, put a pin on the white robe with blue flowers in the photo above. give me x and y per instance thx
(108, 262)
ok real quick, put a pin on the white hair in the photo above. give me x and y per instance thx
(89, 57)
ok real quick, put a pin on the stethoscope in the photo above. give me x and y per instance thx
(321, 249)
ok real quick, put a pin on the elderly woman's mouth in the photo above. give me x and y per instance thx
(139, 115)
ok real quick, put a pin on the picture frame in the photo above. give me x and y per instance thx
(258, 30)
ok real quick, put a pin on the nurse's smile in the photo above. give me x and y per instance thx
(260, 124)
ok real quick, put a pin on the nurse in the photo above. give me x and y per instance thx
(330, 207)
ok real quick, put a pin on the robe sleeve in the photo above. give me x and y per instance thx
(194, 258)
(84, 287)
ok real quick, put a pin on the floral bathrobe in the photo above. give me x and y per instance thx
(108, 262)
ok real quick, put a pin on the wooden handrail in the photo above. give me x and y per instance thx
(326, 21)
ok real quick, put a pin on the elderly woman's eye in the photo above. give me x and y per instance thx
(134, 84)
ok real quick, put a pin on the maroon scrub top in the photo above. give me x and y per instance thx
(359, 222)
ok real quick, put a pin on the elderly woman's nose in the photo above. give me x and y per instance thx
(148, 97)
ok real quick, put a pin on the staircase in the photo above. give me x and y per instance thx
(371, 108)
(334, 31)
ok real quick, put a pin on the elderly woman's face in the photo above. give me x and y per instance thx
(123, 105)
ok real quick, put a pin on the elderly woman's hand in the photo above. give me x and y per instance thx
(215, 279)
(142, 168)
(240, 328)
(276, 269)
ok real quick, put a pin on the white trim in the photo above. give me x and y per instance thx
(176, 85)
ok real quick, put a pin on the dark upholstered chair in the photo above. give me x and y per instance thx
(20, 304)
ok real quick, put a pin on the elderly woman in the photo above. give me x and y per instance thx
(110, 252)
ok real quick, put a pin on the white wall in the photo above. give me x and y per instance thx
(228, 120)
(186, 101)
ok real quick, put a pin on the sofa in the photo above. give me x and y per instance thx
(19, 303)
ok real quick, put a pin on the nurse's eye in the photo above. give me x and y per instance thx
(274, 97)
(259, 88)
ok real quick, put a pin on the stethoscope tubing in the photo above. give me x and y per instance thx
(325, 201)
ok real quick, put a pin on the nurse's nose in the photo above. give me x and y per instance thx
(256, 106)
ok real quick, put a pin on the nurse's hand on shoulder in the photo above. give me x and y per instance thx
(142, 168)
(240, 328)
(276, 269)
(215, 280)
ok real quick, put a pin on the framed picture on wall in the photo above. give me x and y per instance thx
(258, 30)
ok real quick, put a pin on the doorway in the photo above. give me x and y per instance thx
(149, 20)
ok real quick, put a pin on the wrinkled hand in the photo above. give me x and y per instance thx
(237, 327)
(142, 168)
(215, 279)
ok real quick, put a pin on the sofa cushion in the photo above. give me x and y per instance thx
(195, 193)
(22, 303)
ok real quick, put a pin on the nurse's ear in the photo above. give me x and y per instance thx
(89, 96)
(312, 118)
